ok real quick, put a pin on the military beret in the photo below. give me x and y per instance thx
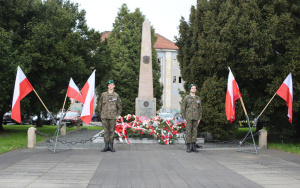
(110, 82)
(191, 86)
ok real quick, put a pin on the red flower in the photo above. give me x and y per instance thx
(158, 135)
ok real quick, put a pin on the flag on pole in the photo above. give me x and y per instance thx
(233, 94)
(285, 91)
(88, 92)
(73, 92)
(22, 88)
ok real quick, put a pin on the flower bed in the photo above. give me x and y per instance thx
(165, 132)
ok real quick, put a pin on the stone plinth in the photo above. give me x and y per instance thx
(263, 139)
(145, 140)
(63, 129)
(182, 141)
(31, 136)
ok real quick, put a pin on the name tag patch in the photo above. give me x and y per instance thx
(112, 99)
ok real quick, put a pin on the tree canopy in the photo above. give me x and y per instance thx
(51, 42)
(124, 43)
(259, 40)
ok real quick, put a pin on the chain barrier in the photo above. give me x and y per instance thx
(78, 142)
(52, 136)
(44, 135)
(95, 125)
(208, 140)
(90, 124)
(248, 137)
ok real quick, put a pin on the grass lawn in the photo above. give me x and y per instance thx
(242, 132)
(15, 136)
(288, 147)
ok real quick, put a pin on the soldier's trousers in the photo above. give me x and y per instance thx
(191, 131)
(109, 126)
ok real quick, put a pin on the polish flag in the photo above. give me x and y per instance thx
(88, 92)
(285, 91)
(233, 94)
(22, 88)
(73, 92)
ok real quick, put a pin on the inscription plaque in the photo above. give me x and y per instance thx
(146, 59)
(146, 107)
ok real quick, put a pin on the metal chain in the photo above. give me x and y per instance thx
(233, 141)
(95, 125)
(92, 124)
(52, 136)
(77, 142)
(254, 134)
(93, 138)
(223, 142)
(44, 135)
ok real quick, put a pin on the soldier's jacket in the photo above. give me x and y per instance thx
(191, 108)
(109, 105)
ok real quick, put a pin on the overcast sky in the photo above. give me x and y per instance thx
(164, 15)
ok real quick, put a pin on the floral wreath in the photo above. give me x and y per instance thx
(141, 127)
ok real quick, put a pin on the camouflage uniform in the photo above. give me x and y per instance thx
(191, 110)
(109, 107)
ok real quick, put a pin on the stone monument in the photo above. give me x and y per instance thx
(145, 104)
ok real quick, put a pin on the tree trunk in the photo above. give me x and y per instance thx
(296, 123)
(259, 126)
(1, 120)
(39, 122)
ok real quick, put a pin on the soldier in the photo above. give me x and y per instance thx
(191, 111)
(110, 108)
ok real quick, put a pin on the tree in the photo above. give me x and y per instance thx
(11, 32)
(211, 89)
(7, 61)
(259, 40)
(125, 48)
(55, 44)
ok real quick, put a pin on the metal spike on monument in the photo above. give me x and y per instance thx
(145, 104)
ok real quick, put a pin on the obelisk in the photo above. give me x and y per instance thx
(145, 104)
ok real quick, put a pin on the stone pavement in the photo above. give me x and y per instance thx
(148, 165)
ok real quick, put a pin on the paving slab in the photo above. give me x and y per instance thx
(148, 165)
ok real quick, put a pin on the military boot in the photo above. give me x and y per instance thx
(188, 148)
(106, 148)
(194, 149)
(111, 147)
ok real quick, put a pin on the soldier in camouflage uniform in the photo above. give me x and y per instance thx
(110, 108)
(191, 111)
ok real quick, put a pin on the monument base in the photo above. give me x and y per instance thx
(146, 141)
(145, 107)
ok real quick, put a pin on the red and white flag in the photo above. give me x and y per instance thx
(233, 94)
(22, 88)
(285, 91)
(88, 93)
(73, 92)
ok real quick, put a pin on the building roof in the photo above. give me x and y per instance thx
(104, 35)
(164, 43)
(161, 43)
